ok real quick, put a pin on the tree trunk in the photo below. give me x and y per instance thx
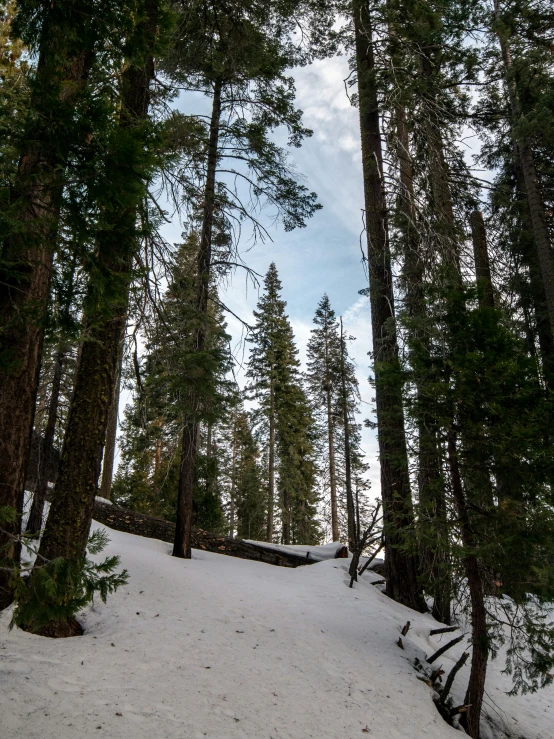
(34, 524)
(395, 483)
(429, 478)
(286, 518)
(331, 441)
(350, 510)
(182, 544)
(111, 431)
(27, 253)
(447, 235)
(332, 467)
(189, 444)
(537, 213)
(479, 636)
(538, 296)
(481, 257)
(233, 480)
(271, 465)
(68, 524)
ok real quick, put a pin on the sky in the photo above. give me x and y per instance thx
(325, 256)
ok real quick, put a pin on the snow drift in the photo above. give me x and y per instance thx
(228, 648)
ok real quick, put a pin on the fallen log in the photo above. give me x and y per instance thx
(446, 647)
(450, 680)
(140, 524)
(443, 630)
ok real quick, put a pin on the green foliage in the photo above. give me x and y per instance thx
(481, 382)
(244, 50)
(59, 589)
(7, 514)
(177, 382)
(274, 382)
(325, 392)
(247, 487)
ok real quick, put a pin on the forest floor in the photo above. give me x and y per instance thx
(227, 648)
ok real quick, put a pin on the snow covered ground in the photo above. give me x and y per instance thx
(231, 649)
(318, 553)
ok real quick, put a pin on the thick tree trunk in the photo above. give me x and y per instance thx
(481, 258)
(182, 544)
(479, 635)
(68, 524)
(402, 582)
(26, 257)
(189, 445)
(34, 523)
(539, 223)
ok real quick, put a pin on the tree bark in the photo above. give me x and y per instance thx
(481, 257)
(539, 223)
(34, 523)
(27, 254)
(191, 429)
(68, 524)
(182, 544)
(479, 636)
(395, 483)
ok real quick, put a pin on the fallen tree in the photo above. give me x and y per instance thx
(131, 522)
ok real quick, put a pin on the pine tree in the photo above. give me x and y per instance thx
(129, 157)
(323, 382)
(149, 478)
(402, 582)
(522, 130)
(283, 414)
(238, 58)
(65, 39)
(334, 395)
(248, 493)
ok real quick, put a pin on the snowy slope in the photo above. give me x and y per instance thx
(318, 553)
(227, 648)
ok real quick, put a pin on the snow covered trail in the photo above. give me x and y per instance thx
(223, 648)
